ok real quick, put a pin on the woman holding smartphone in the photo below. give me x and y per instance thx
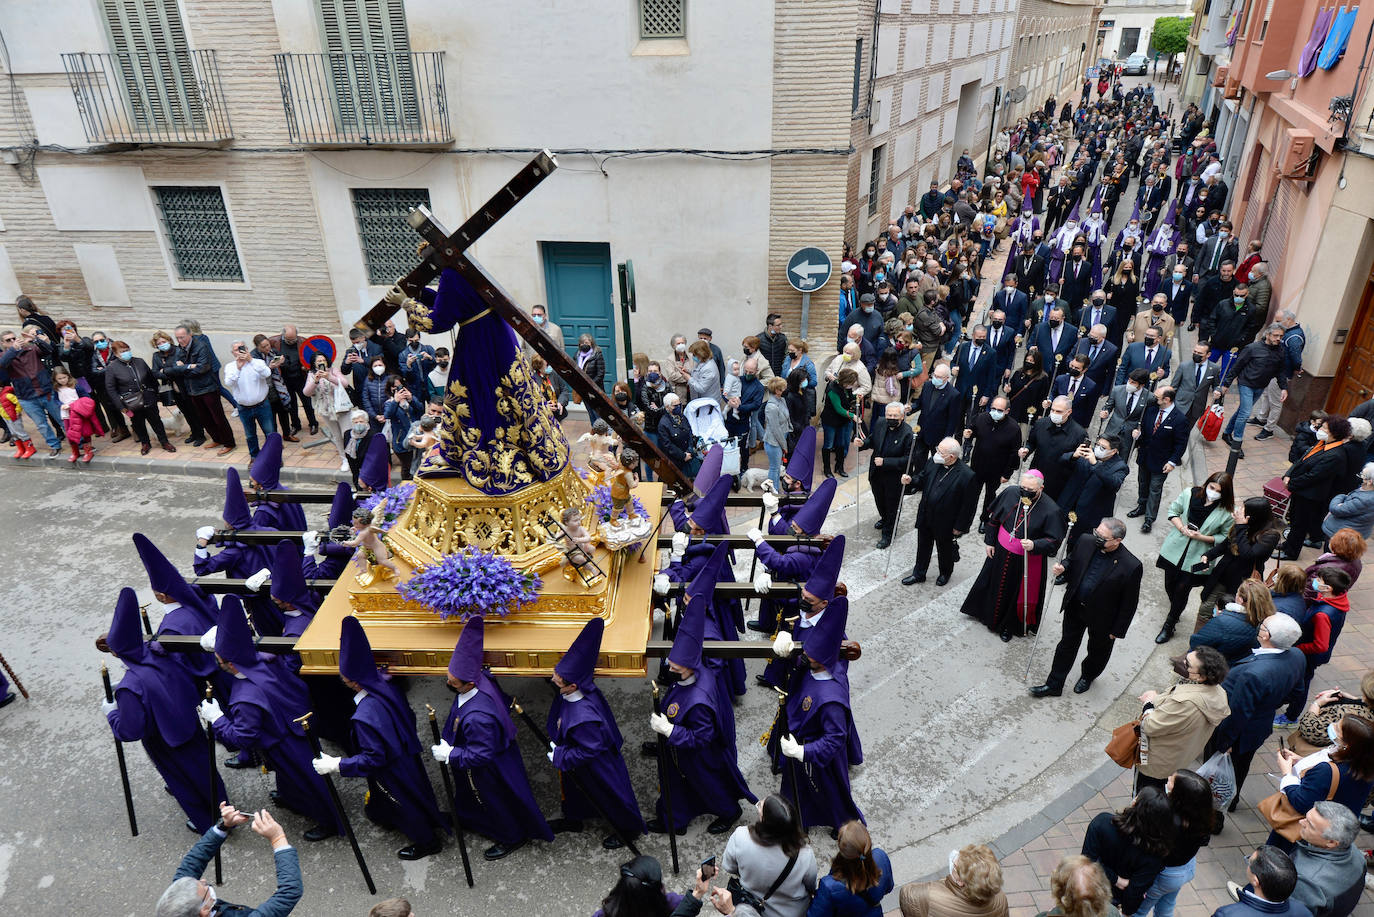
(1199, 518)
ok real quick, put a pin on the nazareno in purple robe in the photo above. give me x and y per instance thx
(266, 471)
(701, 769)
(589, 745)
(818, 716)
(491, 788)
(400, 795)
(724, 621)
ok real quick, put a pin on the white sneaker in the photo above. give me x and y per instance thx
(344, 467)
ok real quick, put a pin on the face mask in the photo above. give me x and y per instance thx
(1058, 418)
(1075, 371)
(1322, 435)
(878, 278)
(1222, 233)
(1055, 323)
(1238, 300)
(1316, 585)
(1049, 297)
(359, 429)
(378, 370)
(1198, 358)
(539, 319)
(1099, 541)
(652, 377)
(443, 364)
(101, 345)
(675, 409)
(805, 383)
(1099, 453)
(910, 327)
(1331, 734)
(749, 377)
(1178, 276)
(1027, 492)
(584, 348)
(892, 424)
(681, 348)
(164, 346)
(548, 370)
(622, 399)
(1132, 387)
(128, 355)
(866, 309)
(869, 252)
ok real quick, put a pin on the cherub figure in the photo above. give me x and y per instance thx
(582, 546)
(622, 480)
(374, 551)
(602, 440)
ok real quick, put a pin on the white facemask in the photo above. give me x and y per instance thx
(1099, 453)
(1058, 418)
(1213, 495)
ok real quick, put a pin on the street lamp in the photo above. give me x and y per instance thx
(1284, 75)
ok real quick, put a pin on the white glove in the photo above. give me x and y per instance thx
(107, 707)
(441, 751)
(256, 581)
(770, 501)
(659, 723)
(755, 535)
(679, 543)
(552, 748)
(395, 296)
(763, 582)
(209, 711)
(661, 583)
(207, 639)
(783, 645)
(325, 764)
(310, 541)
(205, 532)
(791, 748)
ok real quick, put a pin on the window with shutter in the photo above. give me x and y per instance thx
(370, 65)
(153, 60)
(388, 242)
(200, 239)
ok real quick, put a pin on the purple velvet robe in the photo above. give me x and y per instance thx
(491, 790)
(400, 795)
(726, 618)
(240, 561)
(589, 746)
(818, 716)
(701, 768)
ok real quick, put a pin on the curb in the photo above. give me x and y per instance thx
(143, 465)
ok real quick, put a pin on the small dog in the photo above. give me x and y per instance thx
(751, 479)
(174, 422)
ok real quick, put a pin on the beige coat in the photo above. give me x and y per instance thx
(1136, 330)
(1174, 731)
(945, 899)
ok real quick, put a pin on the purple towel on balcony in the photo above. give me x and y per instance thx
(1308, 63)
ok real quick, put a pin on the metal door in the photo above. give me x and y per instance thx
(577, 277)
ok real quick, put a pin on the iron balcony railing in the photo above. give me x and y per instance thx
(356, 98)
(149, 97)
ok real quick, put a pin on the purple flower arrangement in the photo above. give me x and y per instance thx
(600, 500)
(471, 582)
(397, 499)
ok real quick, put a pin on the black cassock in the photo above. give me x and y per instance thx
(996, 598)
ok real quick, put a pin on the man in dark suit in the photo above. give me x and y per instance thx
(994, 439)
(887, 474)
(1101, 354)
(1050, 437)
(1054, 338)
(1094, 312)
(1211, 293)
(1103, 590)
(1002, 337)
(1150, 199)
(975, 366)
(1080, 391)
(1193, 384)
(1098, 473)
(1077, 280)
(1219, 248)
(1029, 270)
(1162, 436)
(1013, 302)
(939, 410)
(1151, 355)
(1058, 203)
(1126, 404)
(1175, 284)
(944, 514)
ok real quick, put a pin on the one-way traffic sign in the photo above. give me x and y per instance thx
(808, 270)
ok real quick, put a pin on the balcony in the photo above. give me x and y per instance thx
(349, 99)
(149, 98)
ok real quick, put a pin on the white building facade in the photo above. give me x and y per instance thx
(1125, 25)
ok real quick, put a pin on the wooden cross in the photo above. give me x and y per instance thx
(449, 250)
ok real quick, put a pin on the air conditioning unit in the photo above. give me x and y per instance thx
(1295, 153)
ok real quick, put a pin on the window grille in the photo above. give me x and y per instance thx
(662, 19)
(388, 242)
(195, 222)
(875, 178)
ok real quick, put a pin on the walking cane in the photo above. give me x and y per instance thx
(754, 563)
(1030, 424)
(901, 498)
(969, 413)
(1063, 552)
(148, 629)
(571, 774)
(663, 784)
(214, 779)
(1058, 358)
(338, 803)
(448, 793)
(19, 684)
(119, 754)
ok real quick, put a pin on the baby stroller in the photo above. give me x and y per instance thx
(707, 421)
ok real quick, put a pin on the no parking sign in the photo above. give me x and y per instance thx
(317, 344)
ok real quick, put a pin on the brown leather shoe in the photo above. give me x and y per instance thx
(167, 447)
(288, 438)
(225, 450)
(210, 445)
(145, 448)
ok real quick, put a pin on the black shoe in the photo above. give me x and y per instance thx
(500, 851)
(1005, 636)
(1145, 527)
(761, 681)
(883, 544)
(190, 440)
(314, 429)
(1218, 822)
(656, 826)
(1166, 633)
(1060, 580)
(564, 825)
(612, 841)
(1264, 434)
(756, 627)
(191, 826)
(1045, 691)
(1229, 440)
(9, 699)
(236, 763)
(420, 851)
(912, 579)
(319, 833)
(878, 524)
(1311, 543)
(1193, 326)
(1257, 422)
(982, 528)
(1136, 513)
(649, 749)
(724, 823)
(1082, 685)
(942, 579)
(196, 443)
(839, 472)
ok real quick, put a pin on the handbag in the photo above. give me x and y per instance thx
(1124, 747)
(132, 401)
(342, 403)
(1210, 423)
(738, 893)
(1281, 815)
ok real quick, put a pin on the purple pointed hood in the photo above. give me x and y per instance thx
(271, 685)
(811, 515)
(1172, 215)
(822, 642)
(704, 583)
(236, 513)
(375, 470)
(163, 577)
(125, 638)
(233, 639)
(686, 650)
(266, 467)
(578, 665)
(356, 663)
(709, 513)
(709, 472)
(288, 580)
(827, 571)
(802, 464)
(466, 662)
(167, 692)
(341, 510)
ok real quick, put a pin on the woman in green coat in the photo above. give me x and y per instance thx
(1200, 517)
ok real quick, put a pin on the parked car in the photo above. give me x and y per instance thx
(1137, 64)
